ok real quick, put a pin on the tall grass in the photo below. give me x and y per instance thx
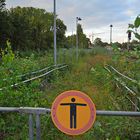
(88, 75)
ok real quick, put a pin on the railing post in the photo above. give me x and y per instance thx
(30, 127)
(136, 104)
(38, 129)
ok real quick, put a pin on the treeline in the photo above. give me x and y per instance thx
(31, 28)
(134, 44)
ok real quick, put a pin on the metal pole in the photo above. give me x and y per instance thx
(128, 43)
(38, 128)
(72, 39)
(92, 37)
(55, 50)
(118, 113)
(77, 38)
(111, 34)
(30, 127)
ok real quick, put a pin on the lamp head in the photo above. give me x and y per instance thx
(78, 18)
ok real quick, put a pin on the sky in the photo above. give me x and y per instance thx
(96, 15)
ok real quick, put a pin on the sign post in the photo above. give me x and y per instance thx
(73, 112)
(55, 49)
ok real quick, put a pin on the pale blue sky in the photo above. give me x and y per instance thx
(97, 15)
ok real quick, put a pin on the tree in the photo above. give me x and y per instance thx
(2, 5)
(134, 27)
(61, 29)
(31, 28)
(71, 41)
(4, 24)
(98, 42)
(83, 40)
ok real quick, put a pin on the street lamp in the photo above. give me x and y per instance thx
(77, 19)
(55, 49)
(111, 26)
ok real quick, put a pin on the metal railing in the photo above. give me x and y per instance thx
(45, 111)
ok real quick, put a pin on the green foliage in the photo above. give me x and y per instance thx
(2, 4)
(88, 75)
(32, 28)
(98, 43)
(131, 26)
(7, 54)
(29, 28)
(4, 24)
(134, 27)
(137, 35)
(82, 39)
(137, 22)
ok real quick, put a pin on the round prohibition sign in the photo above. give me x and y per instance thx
(73, 112)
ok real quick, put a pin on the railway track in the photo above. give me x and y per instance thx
(50, 68)
(119, 80)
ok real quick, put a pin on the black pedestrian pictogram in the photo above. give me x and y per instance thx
(73, 112)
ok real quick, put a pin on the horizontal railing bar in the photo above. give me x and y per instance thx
(118, 113)
(9, 109)
(30, 110)
(27, 110)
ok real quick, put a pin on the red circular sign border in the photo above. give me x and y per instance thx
(79, 94)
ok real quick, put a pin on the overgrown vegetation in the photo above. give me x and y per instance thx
(28, 32)
(88, 75)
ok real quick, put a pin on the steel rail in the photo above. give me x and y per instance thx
(123, 84)
(133, 103)
(133, 80)
(33, 72)
(131, 91)
(34, 78)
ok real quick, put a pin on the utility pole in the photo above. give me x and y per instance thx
(129, 38)
(92, 37)
(55, 49)
(77, 53)
(111, 26)
(72, 39)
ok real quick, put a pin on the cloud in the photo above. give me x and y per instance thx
(129, 12)
(44, 4)
(97, 15)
